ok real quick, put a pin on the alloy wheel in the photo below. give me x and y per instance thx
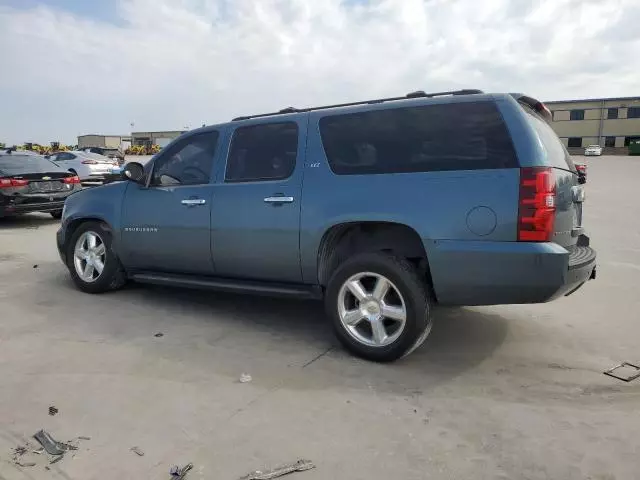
(371, 309)
(89, 256)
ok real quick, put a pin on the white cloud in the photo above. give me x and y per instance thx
(171, 63)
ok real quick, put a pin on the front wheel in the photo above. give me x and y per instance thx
(56, 214)
(93, 264)
(379, 306)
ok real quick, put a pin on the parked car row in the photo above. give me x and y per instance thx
(32, 183)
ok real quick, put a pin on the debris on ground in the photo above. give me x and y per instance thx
(35, 266)
(299, 466)
(50, 445)
(53, 410)
(178, 473)
(245, 378)
(159, 334)
(84, 438)
(25, 464)
(137, 451)
(625, 371)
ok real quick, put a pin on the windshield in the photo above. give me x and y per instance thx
(19, 164)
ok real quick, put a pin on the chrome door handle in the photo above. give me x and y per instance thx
(278, 200)
(193, 201)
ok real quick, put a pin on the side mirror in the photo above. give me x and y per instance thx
(134, 172)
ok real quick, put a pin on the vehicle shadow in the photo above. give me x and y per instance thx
(30, 220)
(461, 338)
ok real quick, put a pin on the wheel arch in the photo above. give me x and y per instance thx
(74, 224)
(345, 239)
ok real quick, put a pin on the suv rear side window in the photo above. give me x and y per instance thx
(187, 162)
(262, 152)
(557, 154)
(457, 136)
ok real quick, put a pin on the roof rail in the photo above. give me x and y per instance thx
(416, 94)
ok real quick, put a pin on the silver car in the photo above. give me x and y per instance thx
(593, 150)
(88, 166)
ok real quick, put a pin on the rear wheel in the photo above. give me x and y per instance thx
(379, 306)
(93, 264)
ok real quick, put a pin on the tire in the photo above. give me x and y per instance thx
(112, 276)
(407, 292)
(57, 214)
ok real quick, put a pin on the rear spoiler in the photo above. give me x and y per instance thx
(536, 105)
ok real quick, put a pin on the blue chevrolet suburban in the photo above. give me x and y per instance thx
(382, 208)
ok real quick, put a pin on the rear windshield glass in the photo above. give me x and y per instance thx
(456, 136)
(556, 152)
(18, 164)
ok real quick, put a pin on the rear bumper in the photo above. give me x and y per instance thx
(496, 273)
(20, 208)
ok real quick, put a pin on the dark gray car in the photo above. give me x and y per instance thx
(382, 208)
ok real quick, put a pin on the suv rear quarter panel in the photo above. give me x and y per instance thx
(442, 206)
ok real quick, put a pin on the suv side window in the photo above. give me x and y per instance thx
(188, 162)
(454, 136)
(262, 152)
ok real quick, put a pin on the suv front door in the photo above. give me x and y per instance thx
(255, 216)
(166, 223)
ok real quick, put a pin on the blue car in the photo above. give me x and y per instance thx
(382, 208)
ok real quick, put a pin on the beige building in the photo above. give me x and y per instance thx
(109, 142)
(147, 139)
(609, 122)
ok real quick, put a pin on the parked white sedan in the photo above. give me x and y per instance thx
(88, 166)
(593, 150)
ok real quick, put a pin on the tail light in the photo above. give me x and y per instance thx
(537, 210)
(13, 182)
(89, 162)
(74, 179)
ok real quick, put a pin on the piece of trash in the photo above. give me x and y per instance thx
(20, 450)
(35, 266)
(25, 464)
(245, 378)
(50, 445)
(299, 466)
(629, 372)
(137, 451)
(57, 459)
(38, 451)
(84, 438)
(53, 410)
(178, 473)
(159, 334)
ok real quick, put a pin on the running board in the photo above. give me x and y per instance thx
(230, 285)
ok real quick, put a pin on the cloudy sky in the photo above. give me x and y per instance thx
(72, 67)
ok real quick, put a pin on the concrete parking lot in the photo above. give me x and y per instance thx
(508, 392)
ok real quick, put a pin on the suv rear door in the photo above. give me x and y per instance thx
(255, 217)
(570, 193)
